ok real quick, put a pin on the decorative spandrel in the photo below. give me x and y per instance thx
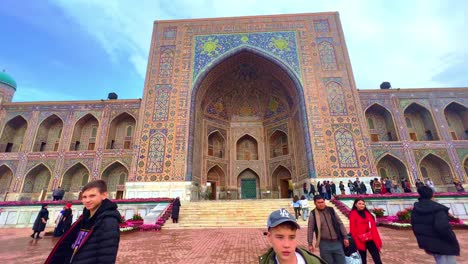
(280, 45)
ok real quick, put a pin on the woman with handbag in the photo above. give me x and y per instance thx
(364, 231)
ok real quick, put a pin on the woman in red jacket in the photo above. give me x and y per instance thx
(364, 232)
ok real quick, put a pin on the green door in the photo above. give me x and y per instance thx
(249, 188)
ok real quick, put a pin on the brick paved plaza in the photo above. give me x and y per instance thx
(229, 245)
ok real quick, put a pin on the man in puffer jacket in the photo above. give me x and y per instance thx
(430, 223)
(94, 237)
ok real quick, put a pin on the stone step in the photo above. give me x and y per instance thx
(233, 213)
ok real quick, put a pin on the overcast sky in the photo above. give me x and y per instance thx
(82, 50)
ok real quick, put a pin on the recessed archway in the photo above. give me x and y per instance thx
(380, 124)
(280, 181)
(48, 135)
(279, 144)
(75, 178)
(436, 169)
(114, 175)
(13, 134)
(247, 148)
(457, 120)
(37, 179)
(244, 86)
(85, 133)
(6, 177)
(216, 145)
(249, 184)
(216, 178)
(392, 168)
(121, 131)
(420, 124)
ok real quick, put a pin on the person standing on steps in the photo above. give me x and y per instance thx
(330, 233)
(175, 210)
(40, 223)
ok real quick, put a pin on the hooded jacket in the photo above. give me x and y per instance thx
(430, 223)
(270, 257)
(99, 245)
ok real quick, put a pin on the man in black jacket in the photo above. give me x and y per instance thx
(430, 222)
(95, 236)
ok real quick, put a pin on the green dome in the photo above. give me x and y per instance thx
(6, 79)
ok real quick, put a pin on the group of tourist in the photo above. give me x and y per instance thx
(429, 219)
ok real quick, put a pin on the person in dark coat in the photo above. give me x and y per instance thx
(40, 223)
(430, 223)
(95, 236)
(64, 222)
(362, 188)
(175, 210)
(312, 190)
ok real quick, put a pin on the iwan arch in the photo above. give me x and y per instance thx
(235, 108)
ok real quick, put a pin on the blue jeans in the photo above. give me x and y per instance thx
(445, 259)
(305, 213)
(332, 251)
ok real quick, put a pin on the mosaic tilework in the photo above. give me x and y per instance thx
(336, 100)
(321, 25)
(281, 45)
(161, 106)
(170, 32)
(345, 148)
(327, 54)
(155, 160)
(166, 63)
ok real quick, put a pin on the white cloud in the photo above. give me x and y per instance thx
(406, 42)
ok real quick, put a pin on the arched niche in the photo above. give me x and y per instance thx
(121, 131)
(114, 175)
(13, 135)
(280, 181)
(216, 179)
(48, 134)
(216, 145)
(6, 177)
(420, 124)
(278, 144)
(247, 148)
(85, 133)
(392, 168)
(457, 120)
(380, 123)
(75, 178)
(436, 169)
(37, 179)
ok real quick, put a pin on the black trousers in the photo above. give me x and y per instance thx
(297, 211)
(370, 245)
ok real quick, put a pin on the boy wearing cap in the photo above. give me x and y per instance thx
(282, 227)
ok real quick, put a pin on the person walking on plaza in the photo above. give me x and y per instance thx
(330, 233)
(382, 183)
(312, 190)
(388, 185)
(342, 189)
(64, 222)
(41, 221)
(351, 187)
(333, 189)
(281, 235)
(430, 223)
(296, 204)
(407, 186)
(305, 207)
(362, 188)
(364, 231)
(175, 210)
(95, 236)
(304, 189)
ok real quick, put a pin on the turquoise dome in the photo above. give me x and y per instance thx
(7, 79)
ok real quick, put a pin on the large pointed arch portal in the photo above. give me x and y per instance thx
(247, 87)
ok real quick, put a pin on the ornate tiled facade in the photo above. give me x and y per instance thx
(234, 108)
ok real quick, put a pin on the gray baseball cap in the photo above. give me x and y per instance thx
(280, 216)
